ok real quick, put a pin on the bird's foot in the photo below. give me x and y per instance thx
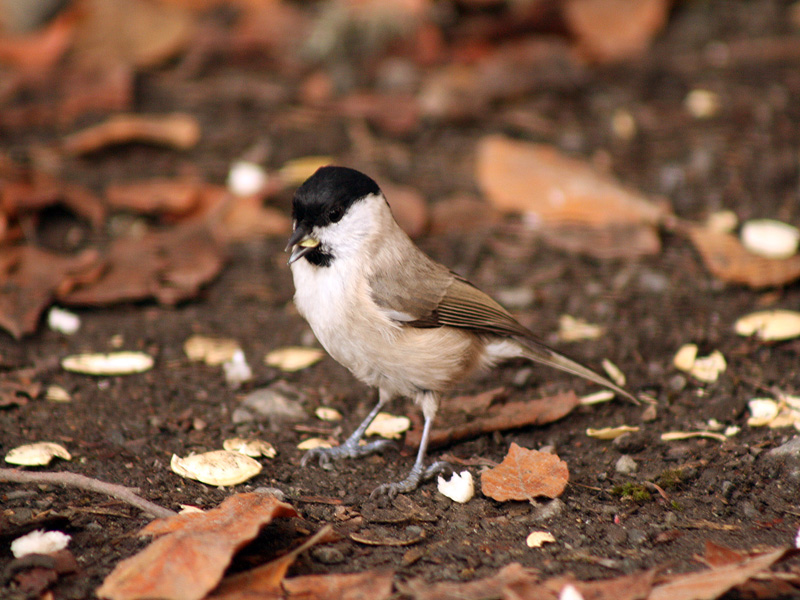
(350, 449)
(417, 475)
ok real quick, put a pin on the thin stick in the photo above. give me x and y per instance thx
(67, 479)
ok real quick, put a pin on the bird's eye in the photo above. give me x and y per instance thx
(335, 214)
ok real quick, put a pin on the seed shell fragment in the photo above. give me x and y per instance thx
(219, 467)
(113, 363)
(38, 454)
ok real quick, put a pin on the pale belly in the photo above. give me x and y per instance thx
(399, 359)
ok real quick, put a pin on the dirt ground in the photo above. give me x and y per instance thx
(747, 159)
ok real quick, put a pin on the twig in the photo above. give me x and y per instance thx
(76, 480)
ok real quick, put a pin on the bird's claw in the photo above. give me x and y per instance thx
(326, 456)
(410, 483)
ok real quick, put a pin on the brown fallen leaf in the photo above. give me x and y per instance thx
(715, 582)
(130, 32)
(170, 266)
(32, 278)
(17, 387)
(193, 550)
(725, 256)
(42, 49)
(509, 577)
(178, 130)
(246, 218)
(170, 197)
(610, 30)
(462, 214)
(720, 556)
(408, 207)
(264, 582)
(524, 475)
(510, 415)
(636, 586)
(340, 586)
(568, 196)
(396, 114)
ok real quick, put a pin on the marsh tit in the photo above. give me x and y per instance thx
(399, 321)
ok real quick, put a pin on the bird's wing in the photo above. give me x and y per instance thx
(447, 300)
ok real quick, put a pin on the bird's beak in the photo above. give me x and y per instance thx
(300, 243)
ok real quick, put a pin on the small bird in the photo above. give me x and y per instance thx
(398, 320)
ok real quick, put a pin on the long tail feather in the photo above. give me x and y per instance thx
(540, 353)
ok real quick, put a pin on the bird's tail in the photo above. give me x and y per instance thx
(538, 352)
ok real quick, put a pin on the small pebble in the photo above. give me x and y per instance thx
(626, 465)
(278, 494)
(327, 555)
(637, 537)
(548, 510)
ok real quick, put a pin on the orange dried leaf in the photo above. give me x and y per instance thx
(512, 576)
(264, 582)
(725, 256)
(170, 265)
(161, 196)
(716, 582)
(341, 586)
(502, 417)
(524, 475)
(178, 130)
(609, 30)
(576, 207)
(194, 549)
(32, 278)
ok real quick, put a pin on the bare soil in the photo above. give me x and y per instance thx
(125, 429)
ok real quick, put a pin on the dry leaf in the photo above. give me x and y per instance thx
(32, 278)
(714, 583)
(265, 582)
(210, 350)
(368, 585)
(409, 208)
(725, 256)
(510, 415)
(508, 578)
(194, 549)
(567, 199)
(524, 475)
(38, 454)
(113, 363)
(179, 131)
(388, 426)
(770, 325)
(246, 218)
(296, 171)
(218, 467)
(171, 265)
(172, 197)
(293, 358)
(610, 433)
(611, 30)
(132, 32)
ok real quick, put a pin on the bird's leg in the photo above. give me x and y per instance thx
(351, 447)
(419, 473)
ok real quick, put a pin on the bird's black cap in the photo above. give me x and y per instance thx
(328, 193)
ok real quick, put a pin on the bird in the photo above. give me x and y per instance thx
(395, 318)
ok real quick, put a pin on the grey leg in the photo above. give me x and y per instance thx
(419, 473)
(351, 448)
